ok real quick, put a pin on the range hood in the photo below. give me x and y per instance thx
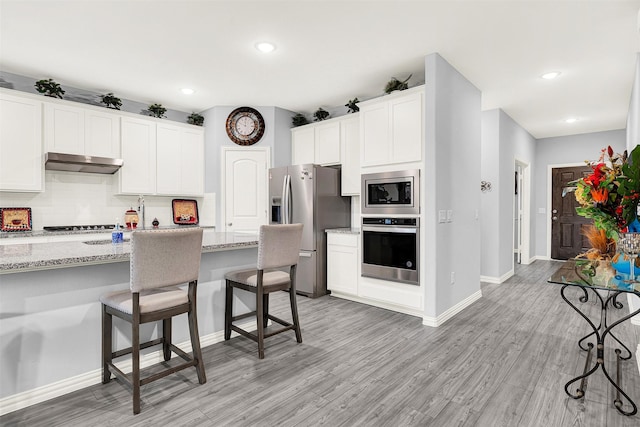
(80, 163)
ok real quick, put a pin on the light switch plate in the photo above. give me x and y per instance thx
(442, 216)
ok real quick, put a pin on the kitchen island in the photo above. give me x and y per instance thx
(50, 314)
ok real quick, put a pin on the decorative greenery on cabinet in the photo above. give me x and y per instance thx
(320, 115)
(195, 119)
(395, 84)
(111, 101)
(157, 110)
(299, 120)
(48, 87)
(351, 105)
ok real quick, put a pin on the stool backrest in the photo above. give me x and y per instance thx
(279, 245)
(162, 258)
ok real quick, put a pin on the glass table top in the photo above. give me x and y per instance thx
(595, 274)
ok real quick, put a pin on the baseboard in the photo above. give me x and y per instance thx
(439, 320)
(498, 280)
(69, 385)
(541, 258)
(379, 304)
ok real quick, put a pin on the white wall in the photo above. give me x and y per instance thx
(573, 149)
(276, 136)
(503, 141)
(452, 179)
(73, 198)
(633, 119)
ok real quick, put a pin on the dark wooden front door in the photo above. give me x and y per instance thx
(567, 237)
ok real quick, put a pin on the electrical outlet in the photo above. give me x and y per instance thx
(453, 277)
(442, 216)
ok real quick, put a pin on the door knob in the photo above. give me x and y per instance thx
(230, 224)
(555, 218)
(555, 211)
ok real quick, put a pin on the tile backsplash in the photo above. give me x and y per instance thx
(72, 198)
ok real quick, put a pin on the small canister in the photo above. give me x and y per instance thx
(131, 218)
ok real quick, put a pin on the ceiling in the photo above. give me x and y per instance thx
(329, 52)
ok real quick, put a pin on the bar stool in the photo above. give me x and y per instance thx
(160, 260)
(278, 246)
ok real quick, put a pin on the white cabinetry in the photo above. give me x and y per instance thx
(180, 160)
(317, 143)
(302, 145)
(138, 173)
(161, 158)
(332, 142)
(76, 130)
(342, 263)
(21, 162)
(350, 146)
(391, 128)
(327, 143)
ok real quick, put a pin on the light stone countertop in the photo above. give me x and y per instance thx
(18, 258)
(351, 230)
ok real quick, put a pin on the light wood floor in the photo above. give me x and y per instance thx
(501, 362)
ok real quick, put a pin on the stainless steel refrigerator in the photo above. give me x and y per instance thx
(309, 194)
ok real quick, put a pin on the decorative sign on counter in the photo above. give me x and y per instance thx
(185, 211)
(16, 219)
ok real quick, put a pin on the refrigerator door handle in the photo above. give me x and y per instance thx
(305, 254)
(286, 193)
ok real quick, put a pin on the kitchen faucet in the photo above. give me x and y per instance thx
(141, 209)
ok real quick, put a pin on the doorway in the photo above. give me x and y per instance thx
(245, 188)
(521, 213)
(567, 236)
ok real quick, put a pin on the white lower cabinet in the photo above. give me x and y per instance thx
(343, 263)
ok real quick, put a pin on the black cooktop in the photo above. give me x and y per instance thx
(79, 227)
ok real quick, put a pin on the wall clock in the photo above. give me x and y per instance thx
(245, 126)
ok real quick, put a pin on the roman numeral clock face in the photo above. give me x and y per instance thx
(245, 126)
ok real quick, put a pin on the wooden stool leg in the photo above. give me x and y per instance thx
(294, 314)
(195, 336)
(260, 316)
(107, 321)
(294, 304)
(228, 310)
(265, 307)
(166, 339)
(135, 353)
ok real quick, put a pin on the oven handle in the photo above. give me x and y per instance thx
(387, 229)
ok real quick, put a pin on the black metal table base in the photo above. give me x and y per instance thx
(601, 332)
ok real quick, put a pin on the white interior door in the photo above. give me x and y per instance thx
(245, 184)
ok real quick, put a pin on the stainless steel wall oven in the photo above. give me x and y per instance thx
(391, 193)
(391, 249)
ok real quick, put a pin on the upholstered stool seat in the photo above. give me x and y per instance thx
(278, 247)
(160, 260)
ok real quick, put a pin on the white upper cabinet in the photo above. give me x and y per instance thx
(303, 145)
(76, 130)
(180, 160)
(138, 172)
(317, 143)
(21, 163)
(101, 134)
(350, 145)
(327, 143)
(391, 128)
(161, 158)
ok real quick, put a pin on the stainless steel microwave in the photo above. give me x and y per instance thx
(391, 193)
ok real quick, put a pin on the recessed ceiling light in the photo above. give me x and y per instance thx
(571, 120)
(265, 47)
(550, 76)
(187, 91)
